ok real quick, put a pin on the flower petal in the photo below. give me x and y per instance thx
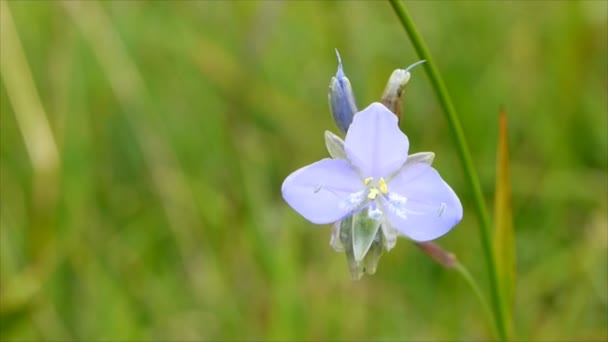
(420, 157)
(420, 205)
(374, 143)
(324, 192)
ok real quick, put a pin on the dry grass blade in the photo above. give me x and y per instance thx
(504, 237)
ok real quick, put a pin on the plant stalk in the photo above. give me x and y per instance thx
(464, 155)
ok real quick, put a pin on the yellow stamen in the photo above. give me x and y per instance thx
(373, 193)
(382, 186)
(368, 180)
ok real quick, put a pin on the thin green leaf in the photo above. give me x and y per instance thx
(465, 157)
(504, 236)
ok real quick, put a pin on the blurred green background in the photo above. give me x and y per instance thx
(143, 146)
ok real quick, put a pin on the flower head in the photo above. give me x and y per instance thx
(373, 183)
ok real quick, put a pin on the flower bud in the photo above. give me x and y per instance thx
(391, 97)
(440, 255)
(341, 99)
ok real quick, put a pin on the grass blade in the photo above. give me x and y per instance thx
(465, 157)
(504, 236)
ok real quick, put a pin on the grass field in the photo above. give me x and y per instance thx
(143, 145)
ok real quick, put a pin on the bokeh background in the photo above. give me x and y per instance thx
(143, 145)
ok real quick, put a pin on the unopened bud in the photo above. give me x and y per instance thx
(440, 255)
(341, 98)
(391, 97)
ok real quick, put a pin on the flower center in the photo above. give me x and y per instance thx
(376, 188)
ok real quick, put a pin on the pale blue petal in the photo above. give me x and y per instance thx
(324, 192)
(420, 157)
(420, 205)
(374, 143)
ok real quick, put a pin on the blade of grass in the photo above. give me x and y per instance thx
(449, 261)
(33, 122)
(464, 272)
(465, 157)
(22, 290)
(504, 237)
(172, 186)
(23, 96)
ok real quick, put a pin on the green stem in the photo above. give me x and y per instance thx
(464, 272)
(465, 157)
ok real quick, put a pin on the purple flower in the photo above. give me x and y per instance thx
(373, 179)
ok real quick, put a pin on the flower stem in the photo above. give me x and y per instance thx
(465, 157)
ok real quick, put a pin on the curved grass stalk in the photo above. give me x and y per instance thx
(465, 156)
(464, 272)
